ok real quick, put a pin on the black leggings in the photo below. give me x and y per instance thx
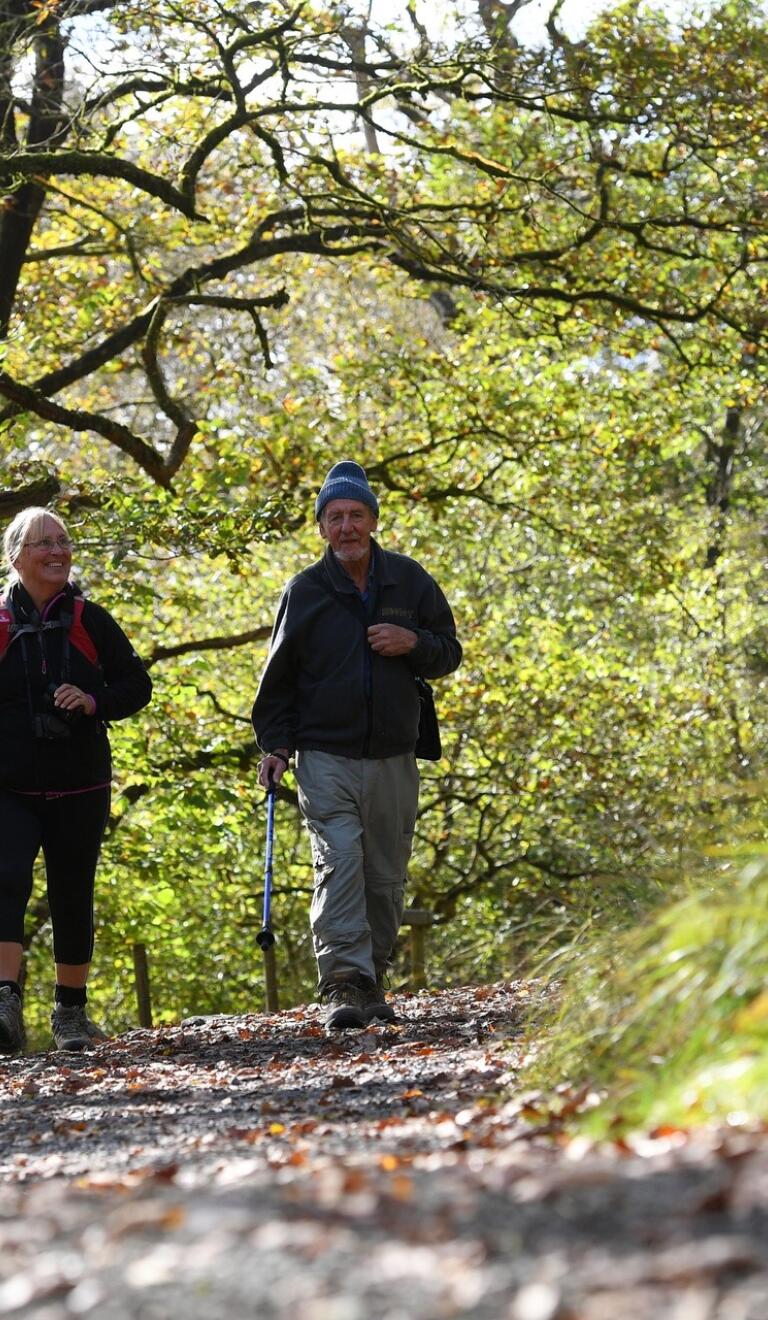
(69, 830)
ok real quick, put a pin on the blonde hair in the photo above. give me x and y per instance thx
(29, 521)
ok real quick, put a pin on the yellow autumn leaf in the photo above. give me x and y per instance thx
(754, 1014)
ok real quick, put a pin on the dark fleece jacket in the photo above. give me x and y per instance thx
(323, 688)
(118, 682)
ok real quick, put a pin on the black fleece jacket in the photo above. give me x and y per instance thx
(118, 682)
(323, 688)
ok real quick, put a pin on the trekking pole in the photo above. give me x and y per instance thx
(265, 939)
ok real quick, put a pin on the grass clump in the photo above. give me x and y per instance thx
(668, 1021)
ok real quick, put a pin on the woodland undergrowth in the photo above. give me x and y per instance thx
(664, 1023)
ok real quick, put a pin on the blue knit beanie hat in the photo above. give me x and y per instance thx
(346, 481)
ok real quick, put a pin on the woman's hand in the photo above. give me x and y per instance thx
(69, 697)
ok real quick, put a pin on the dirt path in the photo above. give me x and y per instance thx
(253, 1166)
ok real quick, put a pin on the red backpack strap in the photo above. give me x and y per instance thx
(77, 634)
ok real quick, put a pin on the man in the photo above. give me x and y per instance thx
(339, 690)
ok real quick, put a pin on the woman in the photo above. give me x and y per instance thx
(66, 668)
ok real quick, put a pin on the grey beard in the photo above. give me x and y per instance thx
(351, 554)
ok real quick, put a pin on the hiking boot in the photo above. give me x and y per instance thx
(72, 1028)
(12, 1034)
(347, 1005)
(377, 1006)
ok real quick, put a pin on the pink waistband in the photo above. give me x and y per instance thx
(56, 793)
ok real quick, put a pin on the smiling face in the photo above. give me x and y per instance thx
(44, 560)
(347, 526)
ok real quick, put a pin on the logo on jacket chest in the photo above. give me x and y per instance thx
(395, 612)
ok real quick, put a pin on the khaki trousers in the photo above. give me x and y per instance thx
(360, 815)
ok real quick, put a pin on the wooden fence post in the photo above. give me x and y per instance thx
(143, 997)
(270, 979)
(419, 919)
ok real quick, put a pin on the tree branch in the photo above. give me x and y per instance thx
(224, 643)
(39, 492)
(173, 409)
(37, 165)
(318, 242)
(78, 419)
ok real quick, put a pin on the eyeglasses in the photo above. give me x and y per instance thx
(47, 543)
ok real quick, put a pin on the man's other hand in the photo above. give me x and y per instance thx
(391, 639)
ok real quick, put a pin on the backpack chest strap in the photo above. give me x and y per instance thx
(77, 634)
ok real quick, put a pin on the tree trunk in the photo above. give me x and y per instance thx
(23, 206)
